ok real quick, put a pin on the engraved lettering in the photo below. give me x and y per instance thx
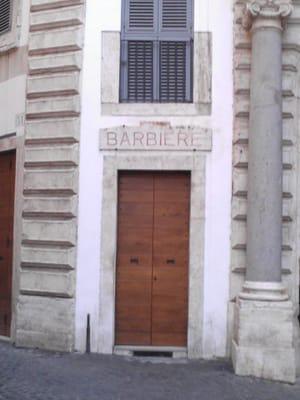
(161, 138)
(151, 139)
(155, 138)
(125, 140)
(138, 138)
(111, 139)
(168, 140)
(196, 139)
(183, 139)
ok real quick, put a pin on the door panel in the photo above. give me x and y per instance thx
(7, 183)
(170, 259)
(134, 259)
(152, 259)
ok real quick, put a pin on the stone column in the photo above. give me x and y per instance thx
(263, 337)
(264, 209)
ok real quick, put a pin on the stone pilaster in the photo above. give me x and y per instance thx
(46, 302)
(263, 336)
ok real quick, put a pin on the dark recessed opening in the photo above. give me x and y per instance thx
(167, 354)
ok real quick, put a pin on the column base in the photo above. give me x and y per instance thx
(264, 291)
(263, 343)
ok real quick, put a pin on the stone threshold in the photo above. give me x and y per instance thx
(153, 351)
(6, 339)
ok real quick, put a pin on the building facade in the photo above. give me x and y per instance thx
(149, 165)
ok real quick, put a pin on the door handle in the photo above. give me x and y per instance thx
(134, 260)
(1, 258)
(171, 261)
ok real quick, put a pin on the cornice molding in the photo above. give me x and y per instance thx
(271, 11)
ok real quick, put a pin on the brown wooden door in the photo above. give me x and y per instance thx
(7, 184)
(152, 258)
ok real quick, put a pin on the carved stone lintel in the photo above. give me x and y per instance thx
(277, 10)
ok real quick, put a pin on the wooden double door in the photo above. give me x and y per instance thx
(7, 184)
(152, 258)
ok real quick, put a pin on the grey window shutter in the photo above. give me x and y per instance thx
(156, 51)
(5, 15)
(140, 71)
(139, 17)
(174, 14)
(176, 19)
(173, 71)
(176, 49)
(139, 32)
(141, 14)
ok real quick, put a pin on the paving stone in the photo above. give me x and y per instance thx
(39, 375)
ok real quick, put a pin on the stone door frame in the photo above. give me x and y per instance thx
(15, 143)
(193, 162)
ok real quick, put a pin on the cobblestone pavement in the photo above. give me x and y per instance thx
(38, 375)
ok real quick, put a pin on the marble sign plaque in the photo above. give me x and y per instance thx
(156, 137)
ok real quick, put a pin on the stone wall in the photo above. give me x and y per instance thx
(45, 307)
(291, 159)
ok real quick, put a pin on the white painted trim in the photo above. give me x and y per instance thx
(195, 163)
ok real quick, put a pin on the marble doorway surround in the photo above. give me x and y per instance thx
(114, 161)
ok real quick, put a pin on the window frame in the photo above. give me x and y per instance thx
(10, 39)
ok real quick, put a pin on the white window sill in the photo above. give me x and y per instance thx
(157, 109)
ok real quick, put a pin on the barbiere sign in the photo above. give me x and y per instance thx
(156, 137)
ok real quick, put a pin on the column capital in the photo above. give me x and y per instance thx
(266, 13)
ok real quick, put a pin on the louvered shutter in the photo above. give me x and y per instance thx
(176, 34)
(5, 15)
(140, 71)
(173, 72)
(140, 16)
(174, 14)
(139, 29)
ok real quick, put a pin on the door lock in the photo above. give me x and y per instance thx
(134, 260)
(171, 261)
(1, 258)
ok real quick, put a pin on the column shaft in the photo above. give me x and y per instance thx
(264, 216)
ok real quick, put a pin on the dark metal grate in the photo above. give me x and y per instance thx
(172, 71)
(140, 71)
(174, 14)
(141, 353)
(5, 14)
(141, 14)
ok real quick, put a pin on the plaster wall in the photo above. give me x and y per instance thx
(210, 16)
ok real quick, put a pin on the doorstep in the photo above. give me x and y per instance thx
(153, 351)
(5, 339)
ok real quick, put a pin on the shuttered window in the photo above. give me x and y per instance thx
(156, 51)
(5, 15)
